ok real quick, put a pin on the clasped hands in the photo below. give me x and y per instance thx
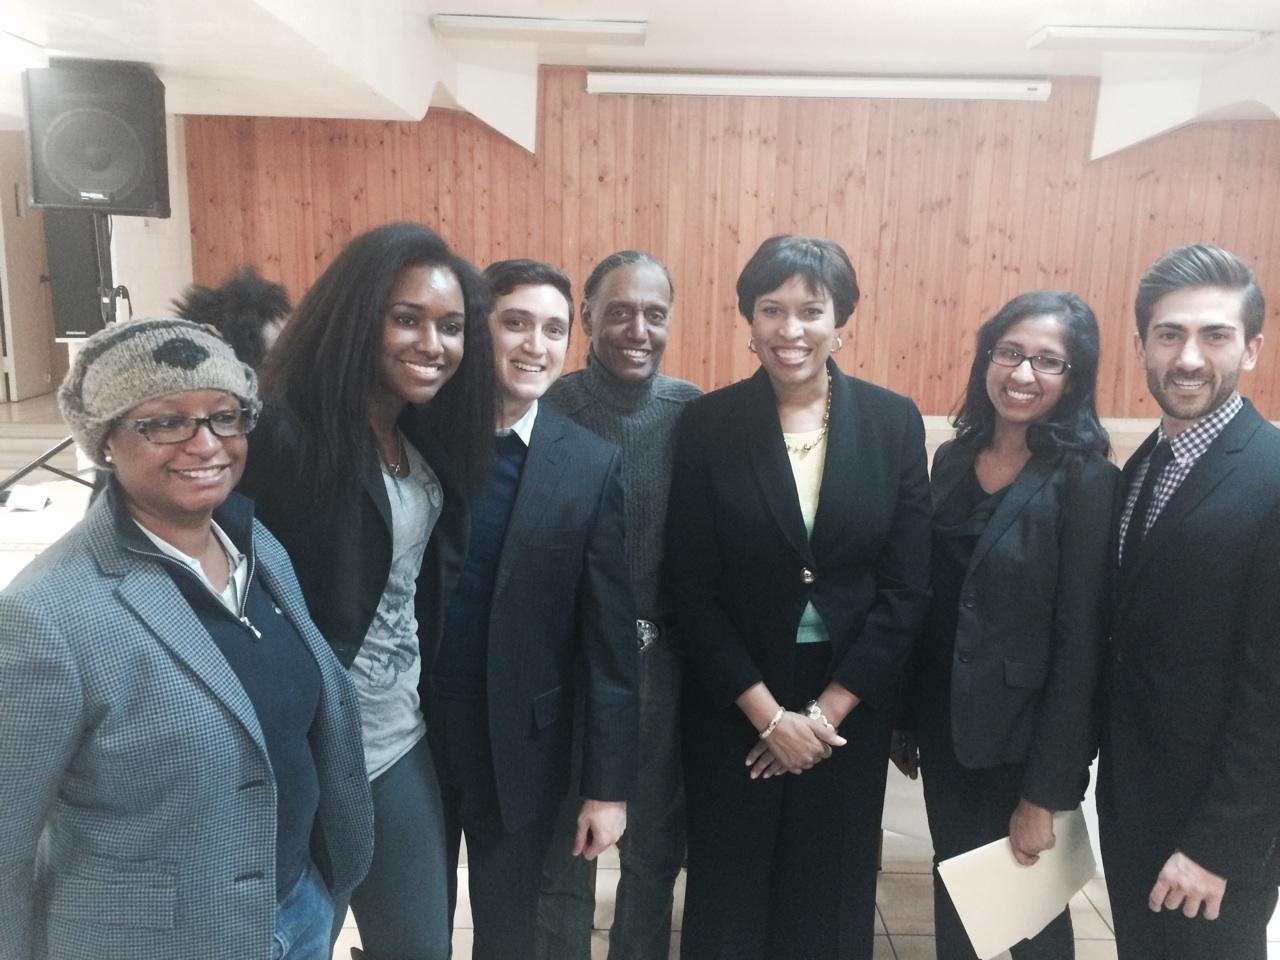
(796, 744)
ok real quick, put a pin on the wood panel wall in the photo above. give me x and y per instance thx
(947, 210)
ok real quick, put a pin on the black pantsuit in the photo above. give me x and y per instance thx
(810, 855)
(785, 867)
(1002, 685)
(969, 808)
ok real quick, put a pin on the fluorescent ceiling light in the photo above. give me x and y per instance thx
(1142, 39)
(464, 26)
(894, 88)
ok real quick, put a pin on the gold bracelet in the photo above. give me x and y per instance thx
(773, 724)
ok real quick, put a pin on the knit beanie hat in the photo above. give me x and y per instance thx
(129, 363)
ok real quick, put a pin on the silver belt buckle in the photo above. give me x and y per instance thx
(646, 632)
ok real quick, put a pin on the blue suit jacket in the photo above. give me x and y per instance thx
(137, 803)
(561, 597)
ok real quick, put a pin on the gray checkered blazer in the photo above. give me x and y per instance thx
(137, 804)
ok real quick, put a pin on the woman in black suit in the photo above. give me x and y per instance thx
(386, 360)
(798, 540)
(1001, 686)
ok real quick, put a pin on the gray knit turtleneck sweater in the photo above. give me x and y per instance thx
(641, 420)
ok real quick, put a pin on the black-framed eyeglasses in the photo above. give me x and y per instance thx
(1009, 357)
(224, 423)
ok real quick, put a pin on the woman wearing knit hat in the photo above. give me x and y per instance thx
(348, 470)
(177, 739)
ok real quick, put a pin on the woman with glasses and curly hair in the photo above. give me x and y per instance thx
(1001, 688)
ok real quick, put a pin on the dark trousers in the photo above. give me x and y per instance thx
(784, 868)
(1132, 865)
(967, 809)
(504, 869)
(651, 851)
(400, 906)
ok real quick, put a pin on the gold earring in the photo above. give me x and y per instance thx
(751, 346)
(839, 343)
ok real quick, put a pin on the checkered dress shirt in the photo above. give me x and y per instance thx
(1188, 447)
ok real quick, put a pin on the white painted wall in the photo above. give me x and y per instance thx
(152, 257)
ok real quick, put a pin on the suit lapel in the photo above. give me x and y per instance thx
(1214, 466)
(951, 464)
(843, 442)
(1026, 485)
(767, 452)
(151, 594)
(376, 488)
(544, 464)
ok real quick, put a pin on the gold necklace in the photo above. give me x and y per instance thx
(826, 419)
(398, 468)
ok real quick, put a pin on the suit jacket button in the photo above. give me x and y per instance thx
(806, 576)
(965, 656)
(969, 601)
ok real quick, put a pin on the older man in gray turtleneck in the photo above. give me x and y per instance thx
(620, 395)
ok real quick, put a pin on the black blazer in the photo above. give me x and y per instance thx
(342, 550)
(561, 596)
(740, 567)
(1189, 757)
(1032, 622)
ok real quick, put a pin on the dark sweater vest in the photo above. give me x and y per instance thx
(461, 665)
(279, 675)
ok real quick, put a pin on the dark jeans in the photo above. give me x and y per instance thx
(503, 869)
(651, 851)
(304, 917)
(967, 809)
(401, 906)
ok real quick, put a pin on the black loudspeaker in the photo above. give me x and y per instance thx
(73, 273)
(96, 138)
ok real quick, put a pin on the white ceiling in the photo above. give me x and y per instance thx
(381, 59)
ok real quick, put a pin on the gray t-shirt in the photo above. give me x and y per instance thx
(387, 668)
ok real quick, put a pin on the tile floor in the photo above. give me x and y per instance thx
(904, 907)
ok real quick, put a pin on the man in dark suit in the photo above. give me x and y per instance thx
(1189, 793)
(541, 599)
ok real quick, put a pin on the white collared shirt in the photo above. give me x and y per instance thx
(238, 563)
(522, 428)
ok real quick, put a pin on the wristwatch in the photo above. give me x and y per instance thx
(814, 712)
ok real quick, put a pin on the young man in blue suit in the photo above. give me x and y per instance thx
(1190, 772)
(541, 613)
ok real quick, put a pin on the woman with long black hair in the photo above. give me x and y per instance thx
(1002, 682)
(385, 364)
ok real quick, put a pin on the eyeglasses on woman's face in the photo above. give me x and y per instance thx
(222, 423)
(1009, 357)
